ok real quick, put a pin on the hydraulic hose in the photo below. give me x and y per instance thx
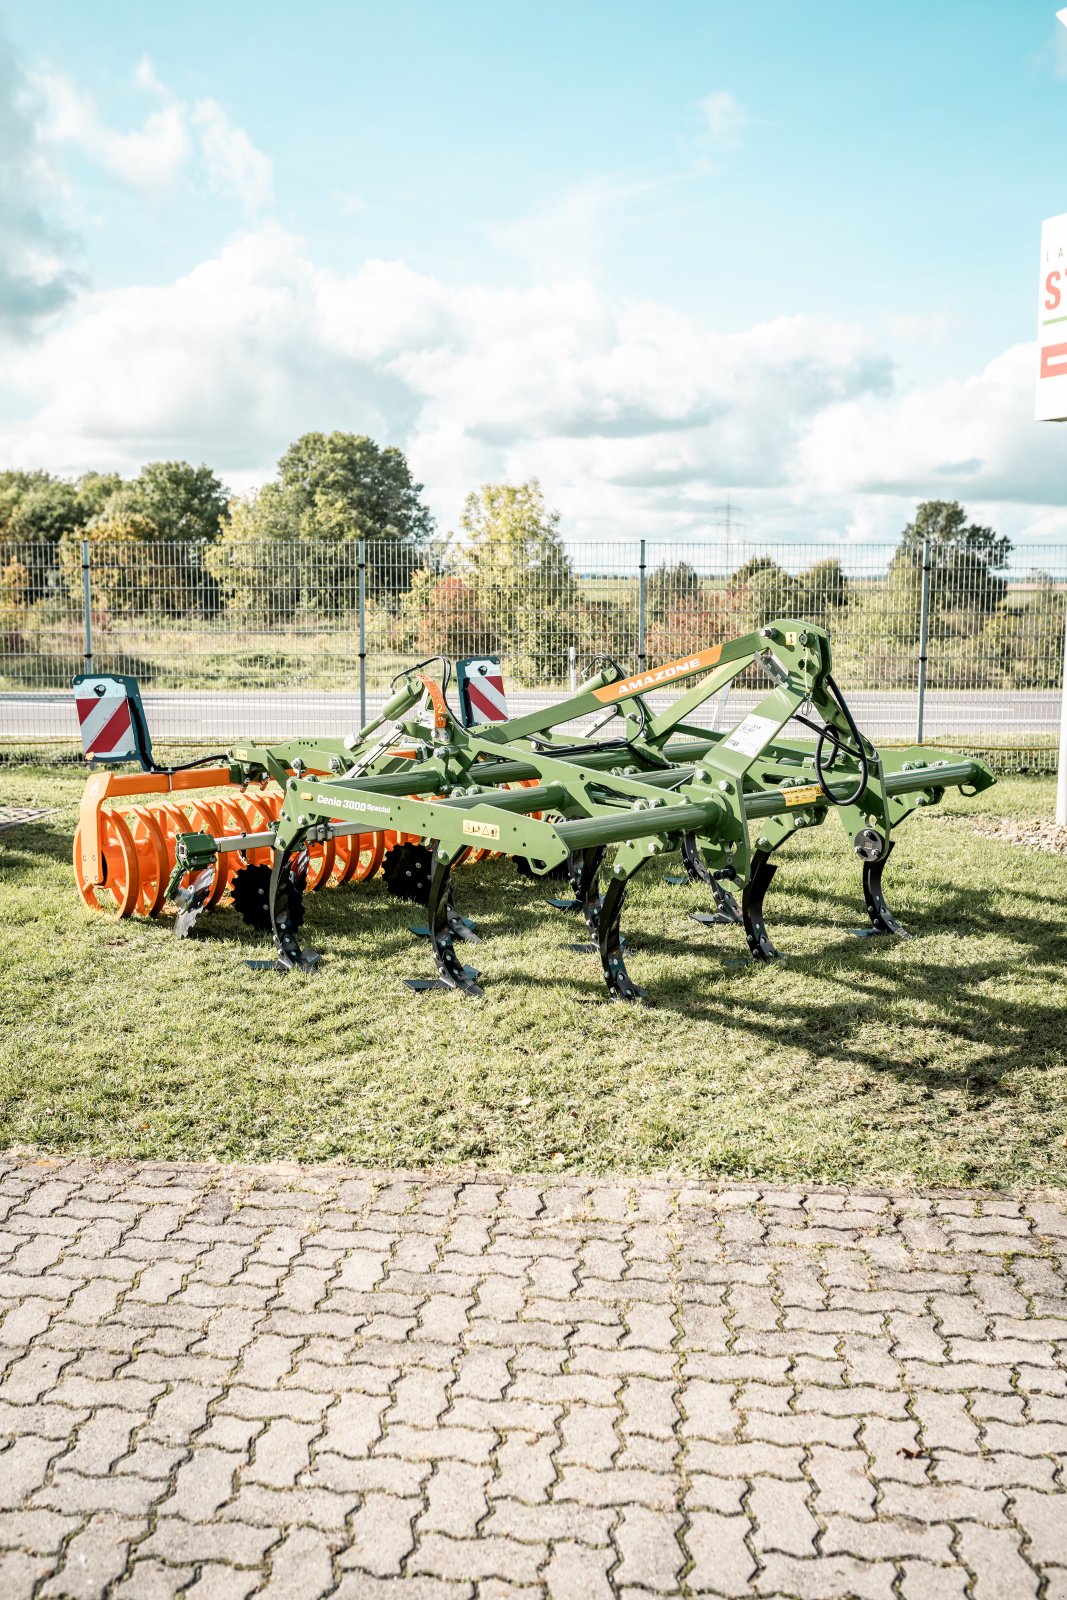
(829, 733)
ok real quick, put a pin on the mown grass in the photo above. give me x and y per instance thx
(942, 1059)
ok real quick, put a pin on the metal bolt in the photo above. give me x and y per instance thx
(763, 843)
(724, 786)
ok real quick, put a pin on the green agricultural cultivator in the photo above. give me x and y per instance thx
(644, 780)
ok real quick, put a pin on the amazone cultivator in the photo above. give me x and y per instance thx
(418, 790)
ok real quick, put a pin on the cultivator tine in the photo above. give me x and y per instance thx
(696, 868)
(585, 877)
(459, 927)
(759, 941)
(582, 870)
(882, 919)
(287, 882)
(610, 943)
(452, 974)
(192, 901)
(727, 912)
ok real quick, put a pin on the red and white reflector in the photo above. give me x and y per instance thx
(481, 690)
(105, 718)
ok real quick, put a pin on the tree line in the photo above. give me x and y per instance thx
(172, 543)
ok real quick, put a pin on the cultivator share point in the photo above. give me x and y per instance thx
(418, 791)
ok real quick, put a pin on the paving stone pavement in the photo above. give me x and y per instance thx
(222, 1382)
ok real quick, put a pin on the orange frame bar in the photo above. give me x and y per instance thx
(110, 785)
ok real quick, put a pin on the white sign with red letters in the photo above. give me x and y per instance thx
(1052, 323)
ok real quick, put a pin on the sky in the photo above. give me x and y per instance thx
(660, 256)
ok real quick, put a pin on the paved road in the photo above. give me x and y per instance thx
(304, 1383)
(228, 715)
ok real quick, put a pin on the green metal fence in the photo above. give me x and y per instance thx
(276, 638)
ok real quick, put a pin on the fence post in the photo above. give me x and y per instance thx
(572, 666)
(641, 611)
(362, 556)
(924, 634)
(87, 603)
(1061, 768)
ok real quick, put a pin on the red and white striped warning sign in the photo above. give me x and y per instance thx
(106, 724)
(486, 700)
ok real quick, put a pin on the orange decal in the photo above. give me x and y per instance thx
(659, 677)
(437, 700)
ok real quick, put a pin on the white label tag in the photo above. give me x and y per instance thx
(750, 736)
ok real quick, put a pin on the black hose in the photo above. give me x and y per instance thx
(859, 753)
(446, 671)
(187, 766)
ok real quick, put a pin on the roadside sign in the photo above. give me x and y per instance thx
(1052, 322)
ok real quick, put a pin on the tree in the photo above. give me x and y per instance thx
(184, 502)
(965, 558)
(14, 605)
(447, 619)
(256, 560)
(513, 557)
(126, 579)
(344, 486)
(670, 586)
(762, 590)
(38, 510)
(820, 592)
(187, 506)
(95, 489)
(332, 491)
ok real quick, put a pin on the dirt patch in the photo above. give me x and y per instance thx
(1040, 834)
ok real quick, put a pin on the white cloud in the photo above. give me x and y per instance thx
(149, 157)
(956, 439)
(170, 142)
(565, 238)
(723, 118)
(234, 165)
(35, 272)
(639, 420)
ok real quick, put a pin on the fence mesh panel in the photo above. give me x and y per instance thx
(261, 639)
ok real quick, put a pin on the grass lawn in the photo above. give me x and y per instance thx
(942, 1059)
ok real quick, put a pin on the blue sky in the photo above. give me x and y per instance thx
(654, 253)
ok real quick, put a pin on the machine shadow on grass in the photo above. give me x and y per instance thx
(23, 848)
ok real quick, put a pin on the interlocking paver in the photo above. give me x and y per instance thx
(305, 1383)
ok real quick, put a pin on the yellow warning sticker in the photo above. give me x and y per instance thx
(482, 830)
(803, 797)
